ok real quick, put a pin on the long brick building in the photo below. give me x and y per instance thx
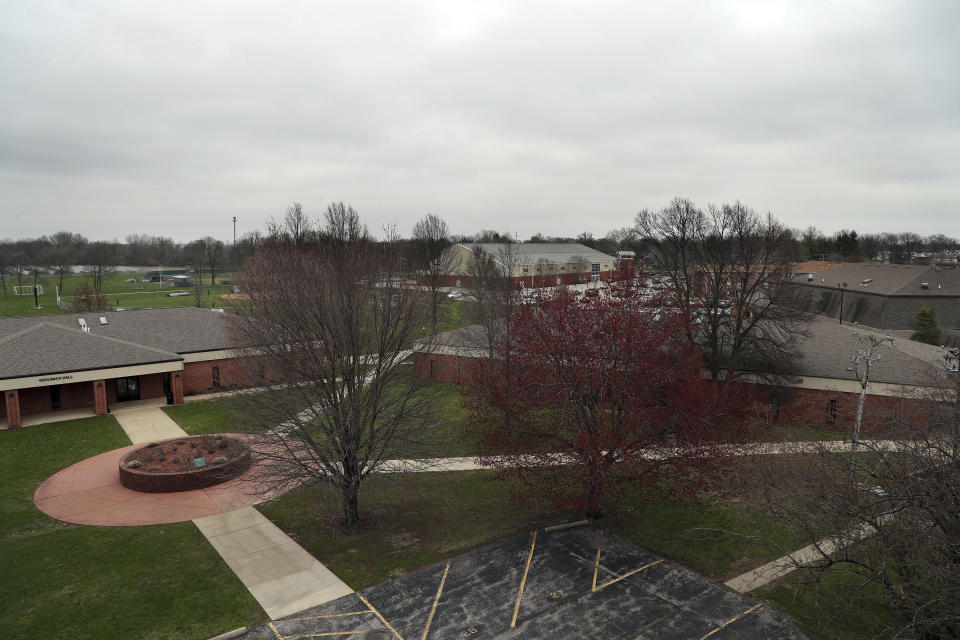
(96, 360)
(820, 388)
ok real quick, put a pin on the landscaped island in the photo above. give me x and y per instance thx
(183, 464)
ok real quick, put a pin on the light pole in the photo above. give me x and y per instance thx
(234, 230)
(841, 288)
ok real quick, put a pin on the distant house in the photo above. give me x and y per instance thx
(884, 296)
(536, 264)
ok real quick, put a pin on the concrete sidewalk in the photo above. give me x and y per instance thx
(147, 424)
(280, 574)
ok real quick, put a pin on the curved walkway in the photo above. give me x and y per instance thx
(89, 493)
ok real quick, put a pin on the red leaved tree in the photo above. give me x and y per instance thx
(597, 396)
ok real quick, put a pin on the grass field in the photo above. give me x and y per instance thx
(116, 289)
(63, 581)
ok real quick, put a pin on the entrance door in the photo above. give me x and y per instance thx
(55, 396)
(128, 389)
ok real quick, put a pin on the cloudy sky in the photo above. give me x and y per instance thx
(121, 117)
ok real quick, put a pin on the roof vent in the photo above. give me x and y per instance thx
(81, 322)
(924, 285)
(103, 319)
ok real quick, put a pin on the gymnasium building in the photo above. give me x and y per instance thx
(102, 359)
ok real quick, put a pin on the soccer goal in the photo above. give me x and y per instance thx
(26, 290)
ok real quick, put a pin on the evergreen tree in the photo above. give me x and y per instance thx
(925, 327)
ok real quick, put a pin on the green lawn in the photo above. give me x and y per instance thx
(217, 415)
(66, 581)
(838, 607)
(116, 289)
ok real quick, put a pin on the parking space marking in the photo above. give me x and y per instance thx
(433, 609)
(596, 568)
(626, 575)
(378, 614)
(523, 582)
(755, 607)
(659, 620)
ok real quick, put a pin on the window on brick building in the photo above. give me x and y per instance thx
(216, 376)
(432, 368)
(831, 412)
(775, 408)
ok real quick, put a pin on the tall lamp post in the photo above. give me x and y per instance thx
(841, 288)
(234, 230)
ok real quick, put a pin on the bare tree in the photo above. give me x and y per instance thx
(295, 226)
(728, 266)
(892, 537)
(492, 294)
(322, 323)
(213, 251)
(434, 258)
(341, 225)
(101, 260)
(248, 244)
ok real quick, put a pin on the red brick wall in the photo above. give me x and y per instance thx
(12, 407)
(810, 406)
(446, 368)
(151, 386)
(535, 280)
(234, 372)
(802, 406)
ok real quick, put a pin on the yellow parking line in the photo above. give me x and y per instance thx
(660, 619)
(734, 619)
(382, 619)
(275, 632)
(596, 567)
(327, 634)
(523, 582)
(626, 575)
(433, 609)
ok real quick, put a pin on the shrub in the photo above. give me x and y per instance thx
(220, 460)
(133, 464)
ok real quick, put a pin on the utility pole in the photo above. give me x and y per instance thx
(861, 364)
(234, 230)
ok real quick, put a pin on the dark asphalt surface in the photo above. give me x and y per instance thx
(637, 596)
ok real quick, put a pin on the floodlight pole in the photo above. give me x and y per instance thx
(866, 358)
(234, 230)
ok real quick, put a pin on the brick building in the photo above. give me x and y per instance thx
(886, 296)
(536, 264)
(96, 360)
(820, 388)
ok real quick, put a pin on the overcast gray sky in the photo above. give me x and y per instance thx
(121, 117)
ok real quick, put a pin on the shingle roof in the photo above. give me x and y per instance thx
(887, 279)
(825, 353)
(829, 345)
(46, 344)
(47, 347)
(533, 252)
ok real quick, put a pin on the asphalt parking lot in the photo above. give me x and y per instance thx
(572, 583)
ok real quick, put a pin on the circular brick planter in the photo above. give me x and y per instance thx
(167, 466)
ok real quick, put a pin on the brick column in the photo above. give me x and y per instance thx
(100, 397)
(13, 408)
(176, 386)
